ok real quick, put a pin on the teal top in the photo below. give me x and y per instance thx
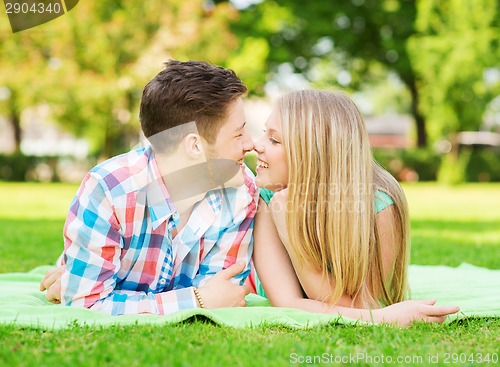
(382, 199)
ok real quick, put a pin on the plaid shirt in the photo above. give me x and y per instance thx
(119, 253)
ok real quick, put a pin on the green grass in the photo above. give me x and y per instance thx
(449, 226)
(31, 221)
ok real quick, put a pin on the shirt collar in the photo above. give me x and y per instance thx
(160, 205)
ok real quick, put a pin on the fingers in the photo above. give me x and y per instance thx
(429, 302)
(436, 314)
(244, 291)
(54, 292)
(52, 283)
(50, 277)
(436, 319)
(433, 310)
(247, 289)
(47, 274)
(442, 310)
(232, 271)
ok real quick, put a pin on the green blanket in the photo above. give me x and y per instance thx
(476, 290)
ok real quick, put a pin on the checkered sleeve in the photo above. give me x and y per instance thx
(92, 257)
(235, 242)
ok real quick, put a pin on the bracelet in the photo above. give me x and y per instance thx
(198, 297)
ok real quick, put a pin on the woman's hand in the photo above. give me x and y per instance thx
(406, 312)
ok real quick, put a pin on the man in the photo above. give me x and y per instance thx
(159, 229)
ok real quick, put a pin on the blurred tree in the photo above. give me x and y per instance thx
(455, 49)
(22, 61)
(92, 63)
(73, 64)
(354, 42)
(341, 42)
(98, 44)
(457, 53)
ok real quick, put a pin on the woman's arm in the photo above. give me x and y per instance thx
(276, 271)
(283, 289)
(311, 279)
(388, 242)
(272, 262)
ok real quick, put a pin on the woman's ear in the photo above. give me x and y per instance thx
(193, 146)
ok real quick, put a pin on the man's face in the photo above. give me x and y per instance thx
(219, 164)
(232, 141)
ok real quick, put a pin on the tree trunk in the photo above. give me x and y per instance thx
(16, 125)
(15, 121)
(419, 118)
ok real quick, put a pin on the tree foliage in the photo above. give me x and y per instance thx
(327, 41)
(456, 45)
(23, 61)
(90, 65)
(438, 49)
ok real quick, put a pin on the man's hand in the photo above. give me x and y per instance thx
(220, 292)
(406, 312)
(52, 283)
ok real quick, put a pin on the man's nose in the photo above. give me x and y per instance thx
(248, 144)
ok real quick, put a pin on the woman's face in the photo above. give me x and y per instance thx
(272, 168)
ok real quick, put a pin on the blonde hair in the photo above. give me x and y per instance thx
(332, 183)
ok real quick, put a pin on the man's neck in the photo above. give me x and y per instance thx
(187, 205)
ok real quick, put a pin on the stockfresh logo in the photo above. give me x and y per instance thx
(26, 14)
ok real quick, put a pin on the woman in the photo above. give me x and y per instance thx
(332, 223)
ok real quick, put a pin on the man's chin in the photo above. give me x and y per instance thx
(238, 179)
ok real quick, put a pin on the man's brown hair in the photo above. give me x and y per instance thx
(189, 91)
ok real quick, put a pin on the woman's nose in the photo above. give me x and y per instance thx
(259, 145)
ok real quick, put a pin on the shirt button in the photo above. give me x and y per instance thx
(163, 281)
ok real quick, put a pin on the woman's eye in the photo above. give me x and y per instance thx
(271, 139)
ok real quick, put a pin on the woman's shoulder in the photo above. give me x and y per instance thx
(382, 200)
(266, 195)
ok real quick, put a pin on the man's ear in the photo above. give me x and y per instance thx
(193, 146)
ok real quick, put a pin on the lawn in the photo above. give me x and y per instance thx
(449, 226)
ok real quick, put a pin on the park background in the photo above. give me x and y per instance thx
(425, 74)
